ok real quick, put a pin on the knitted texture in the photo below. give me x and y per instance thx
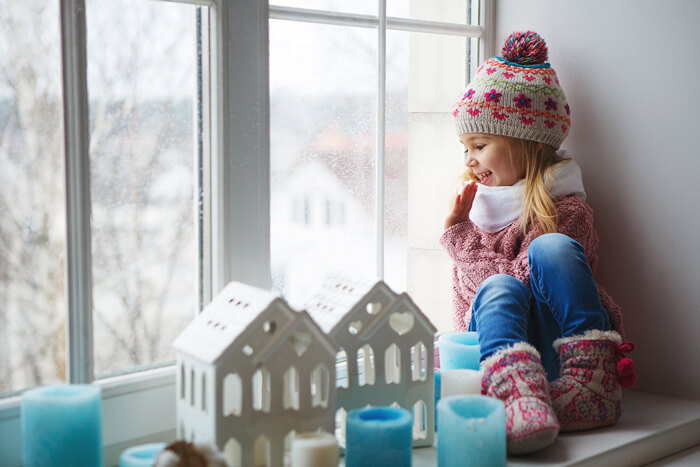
(518, 379)
(587, 394)
(517, 94)
(477, 255)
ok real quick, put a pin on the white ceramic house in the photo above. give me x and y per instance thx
(250, 372)
(387, 343)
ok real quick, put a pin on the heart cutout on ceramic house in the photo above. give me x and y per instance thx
(300, 342)
(402, 322)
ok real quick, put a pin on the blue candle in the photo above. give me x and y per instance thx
(459, 350)
(472, 432)
(62, 426)
(143, 455)
(378, 436)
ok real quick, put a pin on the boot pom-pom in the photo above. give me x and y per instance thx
(625, 370)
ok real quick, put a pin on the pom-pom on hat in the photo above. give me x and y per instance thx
(516, 94)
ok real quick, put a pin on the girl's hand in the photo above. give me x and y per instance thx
(461, 205)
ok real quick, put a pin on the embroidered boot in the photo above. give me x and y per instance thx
(587, 393)
(516, 376)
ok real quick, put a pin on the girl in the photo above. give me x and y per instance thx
(523, 245)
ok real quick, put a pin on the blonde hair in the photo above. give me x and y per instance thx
(532, 159)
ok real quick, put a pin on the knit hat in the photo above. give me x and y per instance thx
(516, 94)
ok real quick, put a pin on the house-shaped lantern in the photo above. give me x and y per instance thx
(251, 372)
(386, 343)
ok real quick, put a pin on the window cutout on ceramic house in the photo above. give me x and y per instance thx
(373, 308)
(290, 399)
(300, 342)
(342, 381)
(261, 390)
(341, 416)
(355, 327)
(401, 322)
(232, 452)
(366, 374)
(419, 362)
(392, 364)
(232, 394)
(261, 449)
(420, 420)
(204, 393)
(192, 387)
(320, 386)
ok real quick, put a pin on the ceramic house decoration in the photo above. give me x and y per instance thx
(387, 344)
(251, 372)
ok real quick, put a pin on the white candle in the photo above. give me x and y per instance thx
(314, 450)
(461, 382)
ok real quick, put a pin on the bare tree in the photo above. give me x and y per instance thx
(142, 172)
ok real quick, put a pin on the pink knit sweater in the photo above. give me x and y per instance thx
(476, 255)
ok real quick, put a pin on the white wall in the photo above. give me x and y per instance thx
(631, 72)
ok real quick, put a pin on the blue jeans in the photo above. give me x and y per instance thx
(564, 302)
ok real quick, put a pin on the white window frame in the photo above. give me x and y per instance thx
(237, 243)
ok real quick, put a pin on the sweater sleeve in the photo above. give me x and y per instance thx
(483, 254)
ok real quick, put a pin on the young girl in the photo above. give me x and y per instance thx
(523, 245)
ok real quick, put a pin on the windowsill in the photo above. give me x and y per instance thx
(140, 408)
(652, 427)
(136, 408)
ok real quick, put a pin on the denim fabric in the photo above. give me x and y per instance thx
(562, 301)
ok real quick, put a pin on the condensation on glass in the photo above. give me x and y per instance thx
(323, 84)
(142, 83)
(32, 213)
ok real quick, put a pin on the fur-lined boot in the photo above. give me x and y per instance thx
(588, 392)
(516, 376)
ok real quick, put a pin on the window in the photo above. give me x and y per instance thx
(136, 205)
(160, 138)
(33, 219)
(355, 107)
(142, 84)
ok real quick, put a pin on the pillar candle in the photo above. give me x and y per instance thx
(62, 425)
(143, 455)
(461, 382)
(314, 450)
(459, 350)
(378, 436)
(472, 432)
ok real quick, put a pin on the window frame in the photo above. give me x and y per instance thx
(236, 165)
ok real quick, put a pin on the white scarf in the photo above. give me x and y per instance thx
(496, 207)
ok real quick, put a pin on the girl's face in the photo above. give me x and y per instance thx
(489, 159)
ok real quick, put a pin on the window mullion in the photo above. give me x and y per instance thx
(77, 157)
(381, 126)
(487, 41)
(240, 144)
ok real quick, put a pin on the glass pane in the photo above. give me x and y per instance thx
(425, 74)
(142, 80)
(448, 11)
(323, 85)
(32, 212)
(367, 7)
